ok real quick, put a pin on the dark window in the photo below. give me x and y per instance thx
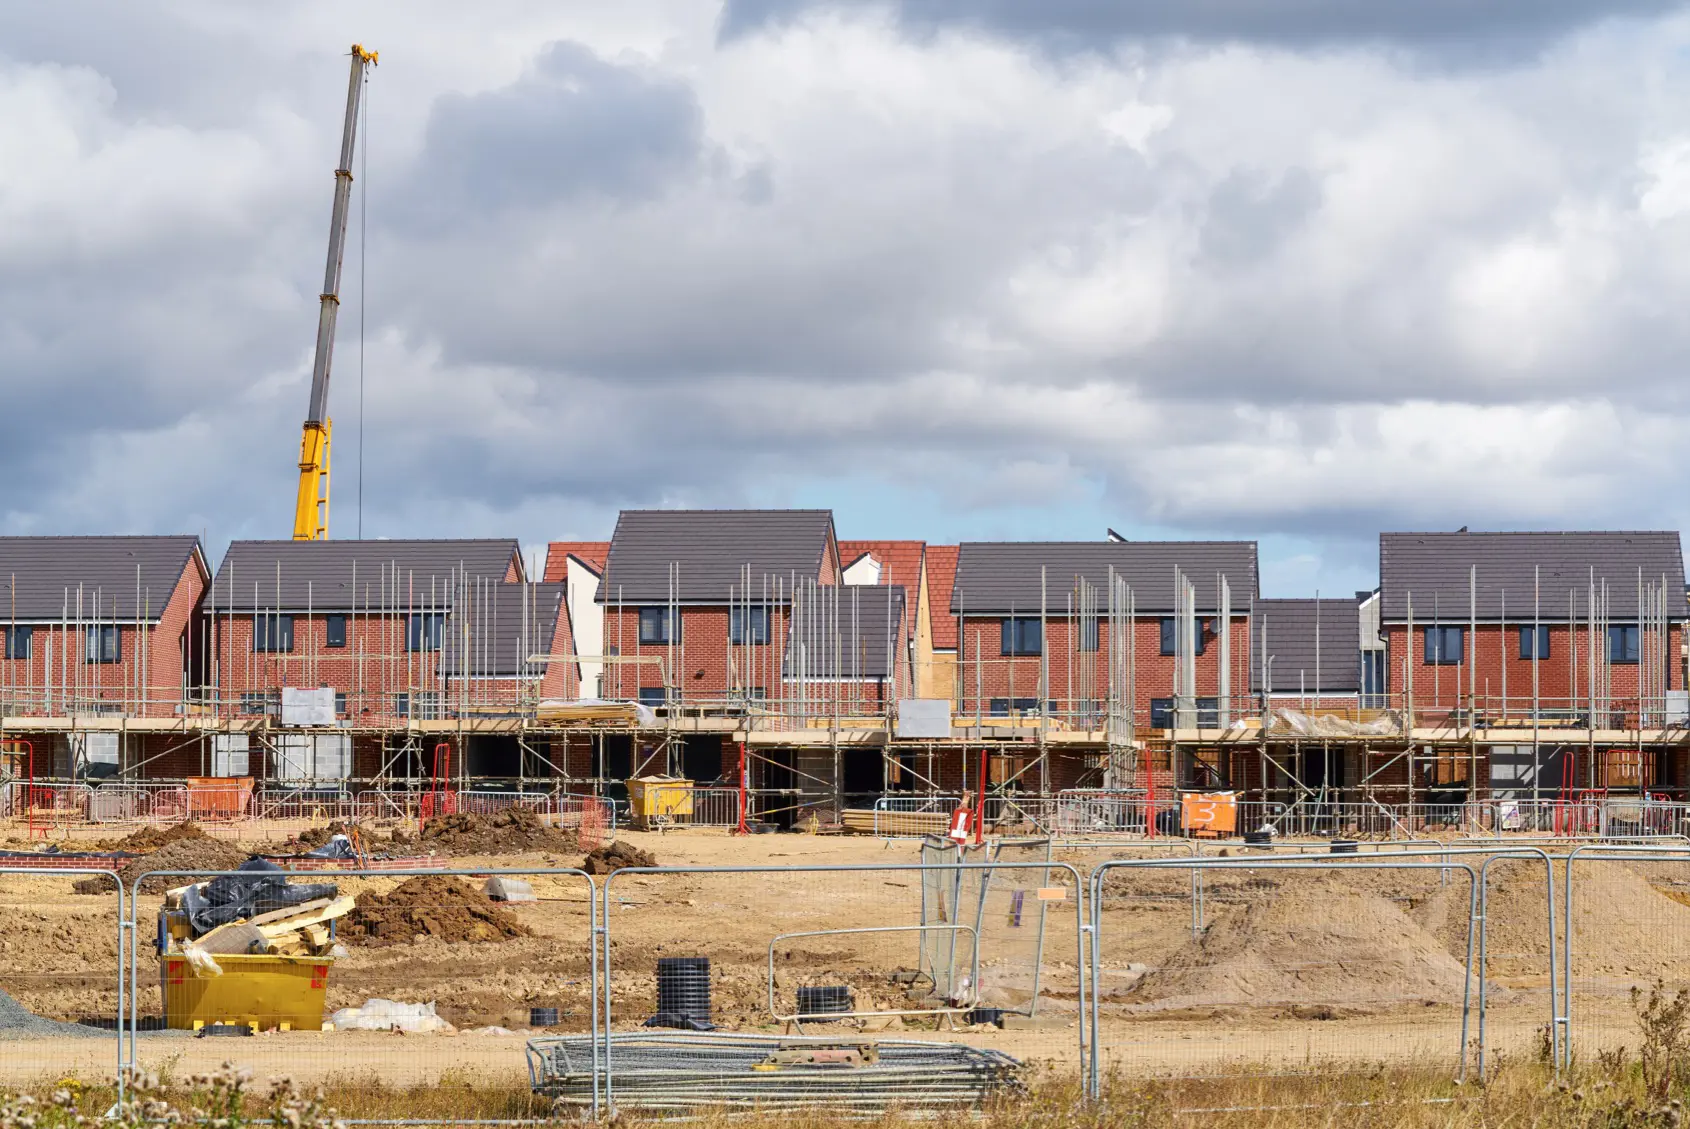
(17, 642)
(423, 706)
(272, 632)
(105, 644)
(1372, 679)
(653, 696)
(745, 625)
(423, 631)
(1443, 645)
(334, 631)
(1170, 635)
(340, 703)
(1161, 713)
(1542, 633)
(1088, 633)
(658, 627)
(1003, 707)
(1022, 635)
(260, 703)
(1208, 712)
(1622, 643)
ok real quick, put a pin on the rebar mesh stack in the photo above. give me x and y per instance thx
(686, 1073)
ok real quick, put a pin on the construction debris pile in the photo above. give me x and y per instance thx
(184, 854)
(255, 912)
(605, 860)
(149, 839)
(427, 906)
(512, 831)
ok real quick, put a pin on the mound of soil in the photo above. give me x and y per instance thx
(615, 857)
(1315, 942)
(427, 906)
(149, 839)
(510, 832)
(184, 854)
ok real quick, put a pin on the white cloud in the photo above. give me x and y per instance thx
(1245, 286)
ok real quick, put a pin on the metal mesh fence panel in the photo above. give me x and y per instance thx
(61, 973)
(1627, 928)
(1010, 921)
(1515, 952)
(402, 978)
(1284, 966)
(787, 944)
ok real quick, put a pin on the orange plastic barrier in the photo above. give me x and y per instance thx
(1209, 813)
(219, 797)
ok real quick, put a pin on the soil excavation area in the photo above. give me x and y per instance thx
(1288, 969)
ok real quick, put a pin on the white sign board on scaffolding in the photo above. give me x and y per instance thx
(308, 707)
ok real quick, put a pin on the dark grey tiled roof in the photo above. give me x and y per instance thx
(712, 549)
(1001, 576)
(40, 576)
(294, 575)
(1433, 569)
(497, 628)
(1313, 645)
(852, 631)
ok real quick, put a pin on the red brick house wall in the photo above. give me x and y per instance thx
(995, 675)
(702, 655)
(146, 681)
(1490, 651)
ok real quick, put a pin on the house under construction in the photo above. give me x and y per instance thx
(754, 650)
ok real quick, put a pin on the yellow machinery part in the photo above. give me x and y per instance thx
(311, 507)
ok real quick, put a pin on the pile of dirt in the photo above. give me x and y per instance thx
(149, 839)
(187, 854)
(1625, 930)
(513, 831)
(615, 857)
(1311, 943)
(427, 906)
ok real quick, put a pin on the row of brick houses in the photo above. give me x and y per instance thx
(763, 645)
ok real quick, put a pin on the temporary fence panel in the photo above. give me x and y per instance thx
(1011, 921)
(424, 953)
(1516, 949)
(1100, 813)
(45, 805)
(1290, 965)
(61, 977)
(815, 940)
(1626, 914)
(940, 878)
(138, 803)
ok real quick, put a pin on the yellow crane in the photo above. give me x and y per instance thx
(311, 508)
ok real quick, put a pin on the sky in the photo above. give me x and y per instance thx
(1288, 270)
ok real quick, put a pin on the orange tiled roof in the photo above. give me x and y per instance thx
(900, 561)
(591, 553)
(941, 578)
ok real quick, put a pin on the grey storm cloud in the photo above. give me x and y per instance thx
(1459, 24)
(574, 124)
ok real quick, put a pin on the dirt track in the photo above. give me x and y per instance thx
(1290, 969)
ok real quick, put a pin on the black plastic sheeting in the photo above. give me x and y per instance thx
(260, 887)
(339, 847)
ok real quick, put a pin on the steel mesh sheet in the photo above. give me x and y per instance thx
(687, 1072)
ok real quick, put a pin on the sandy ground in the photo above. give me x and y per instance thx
(1294, 972)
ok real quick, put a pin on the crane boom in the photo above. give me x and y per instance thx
(311, 507)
